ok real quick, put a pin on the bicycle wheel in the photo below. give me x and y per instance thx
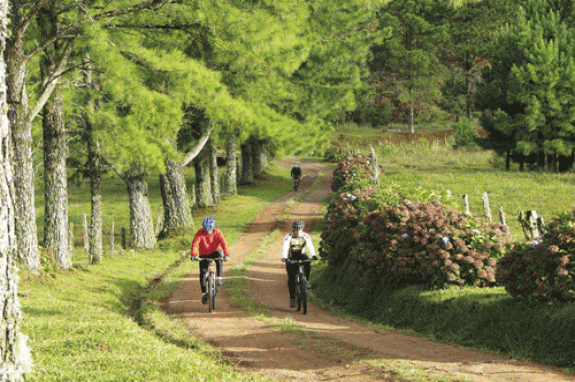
(298, 294)
(303, 294)
(211, 296)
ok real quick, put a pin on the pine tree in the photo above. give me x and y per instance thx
(531, 79)
(408, 54)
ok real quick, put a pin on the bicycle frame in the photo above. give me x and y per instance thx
(210, 282)
(301, 285)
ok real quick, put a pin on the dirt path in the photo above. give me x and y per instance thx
(330, 348)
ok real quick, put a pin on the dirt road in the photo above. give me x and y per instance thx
(329, 348)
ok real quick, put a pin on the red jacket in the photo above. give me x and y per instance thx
(207, 243)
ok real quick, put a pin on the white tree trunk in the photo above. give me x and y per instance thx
(15, 358)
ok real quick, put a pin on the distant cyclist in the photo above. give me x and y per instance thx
(297, 245)
(296, 175)
(208, 243)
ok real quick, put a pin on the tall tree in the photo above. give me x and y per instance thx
(409, 51)
(15, 358)
(539, 80)
(472, 25)
(55, 147)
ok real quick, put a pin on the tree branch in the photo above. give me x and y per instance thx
(203, 140)
(52, 81)
(119, 12)
(112, 166)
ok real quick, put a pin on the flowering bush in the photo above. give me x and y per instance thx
(402, 242)
(352, 168)
(426, 243)
(335, 153)
(543, 270)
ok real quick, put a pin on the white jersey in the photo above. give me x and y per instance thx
(303, 243)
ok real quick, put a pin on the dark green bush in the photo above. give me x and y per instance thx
(543, 270)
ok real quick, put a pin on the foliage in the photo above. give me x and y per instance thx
(531, 80)
(543, 270)
(488, 318)
(425, 243)
(335, 153)
(401, 242)
(465, 134)
(407, 54)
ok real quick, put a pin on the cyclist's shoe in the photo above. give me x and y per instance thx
(205, 298)
(220, 281)
(292, 303)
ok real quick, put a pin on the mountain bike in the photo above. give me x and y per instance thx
(301, 285)
(296, 184)
(210, 282)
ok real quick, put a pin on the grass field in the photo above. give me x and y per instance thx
(101, 322)
(429, 161)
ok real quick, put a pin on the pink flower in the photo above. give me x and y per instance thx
(562, 272)
(564, 260)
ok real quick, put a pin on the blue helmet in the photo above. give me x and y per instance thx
(209, 223)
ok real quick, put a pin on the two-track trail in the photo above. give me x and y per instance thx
(329, 348)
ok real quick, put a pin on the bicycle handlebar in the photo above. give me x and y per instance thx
(299, 261)
(197, 258)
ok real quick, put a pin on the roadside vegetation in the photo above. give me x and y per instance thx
(102, 322)
(532, 327)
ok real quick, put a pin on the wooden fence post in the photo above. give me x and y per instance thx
(112, 237)
(502, 216)
(71, 239)
(123, 238)
(86, 239)
(531, 224)
(466, 201)
(486, 207)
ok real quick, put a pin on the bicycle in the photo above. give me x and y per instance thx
(296, 184)
(301, 285)
(210, 281)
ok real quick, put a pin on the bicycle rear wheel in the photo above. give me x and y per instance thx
(303, 295)
(211, 294)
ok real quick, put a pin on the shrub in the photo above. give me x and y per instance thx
(543, 270)
(426, 243)
(352, 168)
(335, 153)
(465, 134)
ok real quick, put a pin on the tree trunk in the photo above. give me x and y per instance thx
(204, 196)
(508, 160)
(411, 120)
(214, 174)
(56, 181)
(247, 162)
(95, 248)
(231, 181)
(260, 160)
(95, 251)
(141, 222)
(14, 354)
(18, 111)
(177, 208)
(24, 195)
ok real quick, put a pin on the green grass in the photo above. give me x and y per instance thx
(101, 322)
(436, 166)
(442, 169)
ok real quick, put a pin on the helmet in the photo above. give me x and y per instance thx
(298, 224)
(209, 223)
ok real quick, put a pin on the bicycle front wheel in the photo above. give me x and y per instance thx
(211, 293)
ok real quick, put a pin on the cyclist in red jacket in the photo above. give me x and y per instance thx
(208, 243)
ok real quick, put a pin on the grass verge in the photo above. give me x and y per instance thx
(102, 323)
